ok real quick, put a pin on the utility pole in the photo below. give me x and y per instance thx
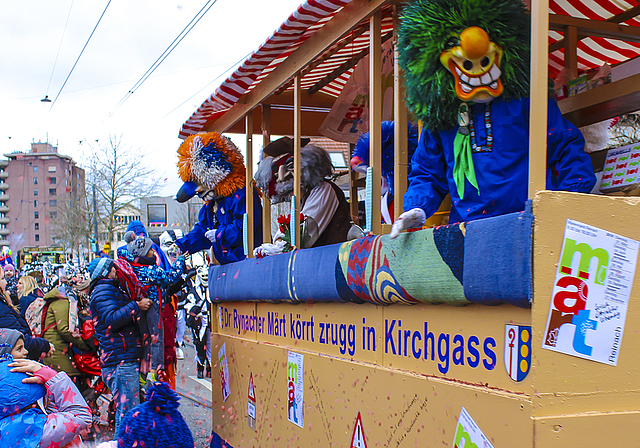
(95, 221)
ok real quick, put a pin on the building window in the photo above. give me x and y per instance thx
(53, 215)
(37, 238)
(337, 159)
(52, 169)
(53, 203)
(157, 214)
(35, 169)
(52, 191)
(36, 215)
(53, 180)
(35, 203)
(35, 181)
(35, 192)
(36, 226)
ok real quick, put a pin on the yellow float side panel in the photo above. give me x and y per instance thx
(397, 409)
(571, 394)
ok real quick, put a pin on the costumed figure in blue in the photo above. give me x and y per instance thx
(360, 163)
(211, 166)
(466, 65)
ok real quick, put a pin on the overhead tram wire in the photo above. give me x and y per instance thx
(59, 47)
(172, 46)
(79, 56)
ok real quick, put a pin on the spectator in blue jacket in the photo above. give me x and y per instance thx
(141, 255)
(115, 319)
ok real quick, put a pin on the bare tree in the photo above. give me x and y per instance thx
(120, 177)
(71, 224)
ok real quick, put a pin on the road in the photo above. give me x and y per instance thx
(195, 396)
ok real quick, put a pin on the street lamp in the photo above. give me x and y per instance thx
(45, 99)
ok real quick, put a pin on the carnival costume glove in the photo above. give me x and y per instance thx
(416, 217)
(211, 235)
(267, 249)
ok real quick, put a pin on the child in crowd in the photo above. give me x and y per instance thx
(23, 383)
(155, 423)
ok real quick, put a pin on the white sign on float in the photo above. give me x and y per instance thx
(591, 293)
(224, 372)
(468, 433)
(295, 388)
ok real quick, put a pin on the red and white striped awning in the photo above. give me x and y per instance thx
(312, 14)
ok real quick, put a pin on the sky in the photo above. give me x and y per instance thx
(41, 40)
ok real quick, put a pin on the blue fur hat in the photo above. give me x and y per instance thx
(14, 394)
(156, 422)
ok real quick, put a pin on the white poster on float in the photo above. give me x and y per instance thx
(591, 293)
(295, 388)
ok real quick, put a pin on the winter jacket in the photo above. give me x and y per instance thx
(501, 170)
(27, 300)
(10, 318)
(59, 428)
(227, 219)
(115, 320)
(58, 333)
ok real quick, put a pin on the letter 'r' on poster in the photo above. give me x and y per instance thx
(295, 388)
(591, 293)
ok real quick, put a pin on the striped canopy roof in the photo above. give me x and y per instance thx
(313, 14)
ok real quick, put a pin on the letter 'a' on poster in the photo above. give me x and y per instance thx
(468, 433)
(224, 372)
(591, 293)
(295, 388)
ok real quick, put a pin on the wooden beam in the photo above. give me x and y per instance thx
(297, 179)
(353, 190)
(249, 183)
(375, 118)
(341, 24)
(343, 67)
(400, 135)
(320, 59)
(607, 101)
(620, 18)
(595, 28)
(538, 100)
(265, 122)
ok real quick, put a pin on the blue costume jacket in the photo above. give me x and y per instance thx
(503, 172)
(228, 221)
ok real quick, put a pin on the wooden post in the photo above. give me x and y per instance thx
(375, 118)
(249, 182)
(353, 190)
(538, 96)
(400, 135)
(571, 51)
(266, 202)
(297, 130)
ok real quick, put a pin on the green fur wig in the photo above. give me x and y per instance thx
(430, 27)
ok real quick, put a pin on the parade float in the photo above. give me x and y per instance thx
(518, 329)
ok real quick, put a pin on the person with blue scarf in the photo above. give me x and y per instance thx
(23, 383)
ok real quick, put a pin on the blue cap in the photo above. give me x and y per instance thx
(186, 192)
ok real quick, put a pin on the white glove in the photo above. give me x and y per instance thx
(267, 249)
(211, 235)
(416, 217)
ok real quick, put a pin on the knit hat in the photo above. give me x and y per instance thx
(9, 267)
(8, 339)
(14, 394)
(100, 267)
(138, 228)
(137, 246)
(156, 422)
